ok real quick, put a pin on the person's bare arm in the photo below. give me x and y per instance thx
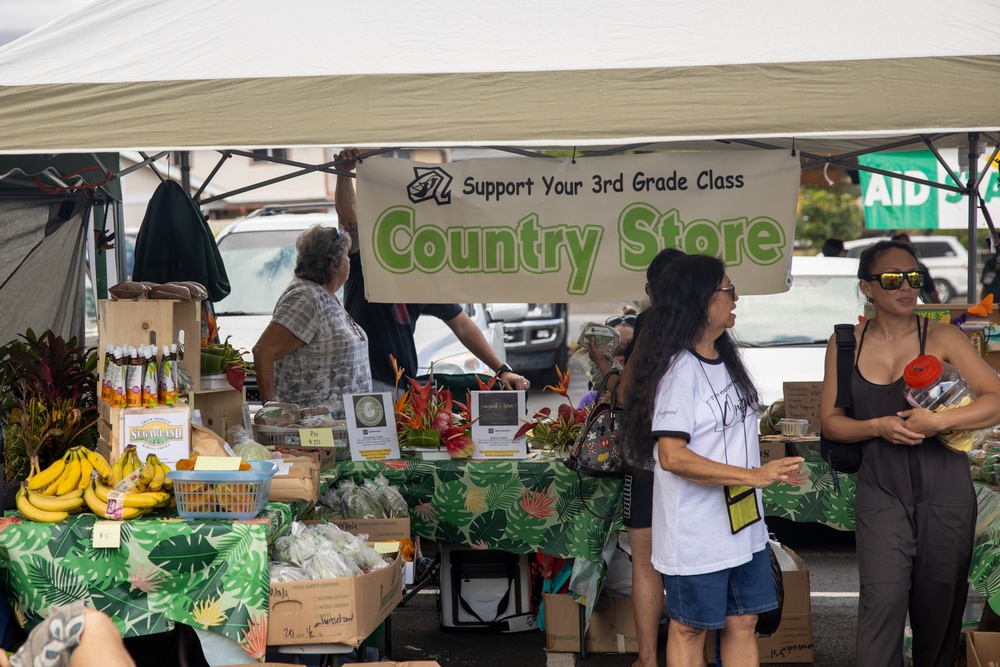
(474, 341)
(984, 412)
(838, 426)
(100, 644)
(276, 342)
(347, 212)
(674, 456)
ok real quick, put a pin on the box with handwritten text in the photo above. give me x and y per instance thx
(333, 611)
(793, 642)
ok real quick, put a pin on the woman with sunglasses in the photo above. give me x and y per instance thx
(312, 352)
(692, 416)
(915, 506)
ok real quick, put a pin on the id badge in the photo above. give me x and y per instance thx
(741, 504)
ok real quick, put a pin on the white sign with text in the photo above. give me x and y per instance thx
(496, 419)
(371, 426)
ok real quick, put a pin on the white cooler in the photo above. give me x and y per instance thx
(485, 591)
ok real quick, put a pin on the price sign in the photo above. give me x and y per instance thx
(316, 437)
(226, 463)
(107, 534)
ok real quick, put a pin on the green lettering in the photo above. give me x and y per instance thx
(582, 252)
(765, 239)
(701, 237)
(670, 229)
(732, 238)
(552, 239)
(527, 229)
(499, 250)
(429, 249)
(637, 240)
(464, 245)
(392, 237)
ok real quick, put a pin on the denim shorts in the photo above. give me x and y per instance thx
(705, 600)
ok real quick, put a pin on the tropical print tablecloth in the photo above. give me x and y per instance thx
(810, 496)
(209, 574)
(521, 506)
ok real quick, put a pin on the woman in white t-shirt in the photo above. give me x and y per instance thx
(693, 404)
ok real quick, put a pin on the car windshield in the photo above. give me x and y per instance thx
(804, 314)
(259, 265)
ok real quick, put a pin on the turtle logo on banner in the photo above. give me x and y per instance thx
(430, 183)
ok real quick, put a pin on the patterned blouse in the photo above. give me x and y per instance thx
(334, 359)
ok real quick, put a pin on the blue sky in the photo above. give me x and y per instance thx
(18, 17)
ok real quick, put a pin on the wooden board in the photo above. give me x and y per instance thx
(150, 321)
(802, 402)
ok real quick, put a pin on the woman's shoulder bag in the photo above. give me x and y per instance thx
(597, 450)
(842, 457)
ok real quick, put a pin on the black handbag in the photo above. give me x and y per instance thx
(842, 457)
(768, 621)
(597, 451)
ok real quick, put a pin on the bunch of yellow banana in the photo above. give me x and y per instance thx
(152, 474)
(70, 473)
(48, 509)
(144, 495)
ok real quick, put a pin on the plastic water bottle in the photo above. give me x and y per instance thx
(937, 386)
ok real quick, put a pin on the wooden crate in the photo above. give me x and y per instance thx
(220, 409)
(152, 321)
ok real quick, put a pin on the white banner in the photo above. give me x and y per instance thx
(555, 230)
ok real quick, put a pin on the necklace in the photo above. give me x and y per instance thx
(723, 415)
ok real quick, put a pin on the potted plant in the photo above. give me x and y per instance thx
(555, 434)
(426, 418)
(48, 401)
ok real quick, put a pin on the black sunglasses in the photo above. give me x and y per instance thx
(893, 280)
(615, 320)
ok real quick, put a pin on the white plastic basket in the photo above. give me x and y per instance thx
(217, 494)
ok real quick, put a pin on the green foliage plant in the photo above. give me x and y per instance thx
(48, 400)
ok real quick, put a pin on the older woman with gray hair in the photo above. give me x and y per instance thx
(312, 352)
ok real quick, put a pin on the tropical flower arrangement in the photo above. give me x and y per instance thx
(556, 433)
(426, 417)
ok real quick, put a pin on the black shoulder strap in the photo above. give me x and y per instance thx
(845, 362)
(922, 335)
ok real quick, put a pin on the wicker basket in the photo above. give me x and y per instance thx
(217, 494)
(270, 436)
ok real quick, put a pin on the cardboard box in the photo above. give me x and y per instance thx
(378, 530)
(982, 648)
(980, 330)
(793, 642)
(344, 610)
(611, 629)
(164, 431)
(771, 448)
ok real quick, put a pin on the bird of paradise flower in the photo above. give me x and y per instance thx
(254, 640)
(475, 500)
(147, 581)
(208, 613)
(425, 511)
(537, 503)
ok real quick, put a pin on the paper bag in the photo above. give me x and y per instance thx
(206, 442)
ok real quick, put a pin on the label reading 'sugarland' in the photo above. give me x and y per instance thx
(496, 418)
(371, 426)
(165, 432)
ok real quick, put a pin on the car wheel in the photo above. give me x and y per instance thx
(944, 289)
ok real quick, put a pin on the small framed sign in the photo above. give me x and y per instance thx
(371, 426)
(496, 418)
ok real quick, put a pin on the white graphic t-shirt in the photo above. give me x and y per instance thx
(697, 400)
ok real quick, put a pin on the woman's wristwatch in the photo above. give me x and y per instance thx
(504, 368)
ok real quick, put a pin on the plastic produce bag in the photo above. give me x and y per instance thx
(282, 572)
(392, 500)
(359, 503)
(328, 564)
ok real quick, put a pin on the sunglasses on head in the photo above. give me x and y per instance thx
(893, 280)
(615, 320)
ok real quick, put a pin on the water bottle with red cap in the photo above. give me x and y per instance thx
(938, 386)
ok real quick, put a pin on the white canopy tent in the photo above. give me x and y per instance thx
(826, 80)
(162, 74)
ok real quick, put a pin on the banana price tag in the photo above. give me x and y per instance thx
(316, 437)
(107, 534)
(217, 463)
